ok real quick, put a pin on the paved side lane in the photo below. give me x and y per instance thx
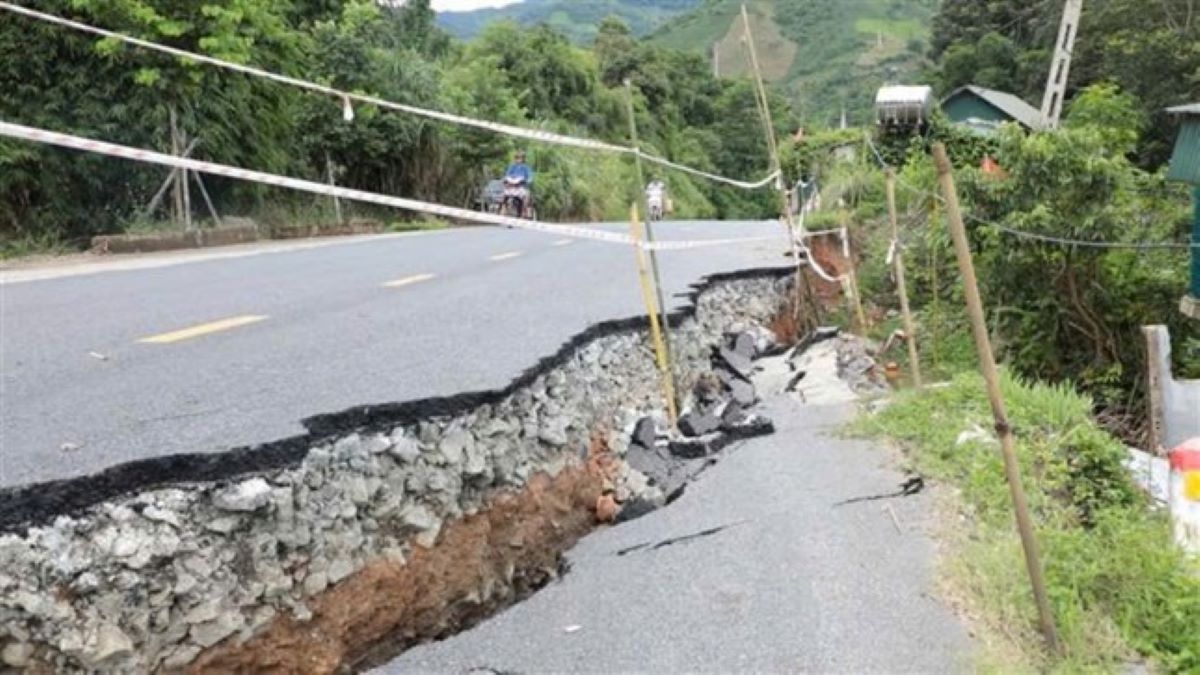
(786, 584)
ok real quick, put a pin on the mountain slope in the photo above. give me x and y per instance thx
(577, 19)
(825, 53)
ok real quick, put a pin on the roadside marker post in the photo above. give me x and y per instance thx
(910, 327)
(987, 364)
(656, 337)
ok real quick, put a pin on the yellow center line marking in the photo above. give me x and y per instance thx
(505, 256)
(203, 329)
(564, 242)
(414, 279)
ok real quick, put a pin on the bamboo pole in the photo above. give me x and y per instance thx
(337, 203)
(910, 327)
(987, 364)
(177, 216)
(658, 287)
(656, 336)
(212, 210)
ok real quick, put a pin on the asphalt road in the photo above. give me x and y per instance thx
(201, 352)
(785, 581)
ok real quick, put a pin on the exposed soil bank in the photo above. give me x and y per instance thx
(481, 564)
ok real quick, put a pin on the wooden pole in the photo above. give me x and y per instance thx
(910, 327)
(991, 375)
(177, 216)
(337, 203)
(185, 188)
(658, 287)
(156, 200)
(656, 336)
(803, 295)
(208, 202)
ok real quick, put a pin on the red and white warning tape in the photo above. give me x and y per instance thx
(150, 157)
(346, 97)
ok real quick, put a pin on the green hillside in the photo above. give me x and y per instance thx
(825, 53)
(577, 19)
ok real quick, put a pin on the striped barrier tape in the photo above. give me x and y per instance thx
(346, 97)
(31, 134)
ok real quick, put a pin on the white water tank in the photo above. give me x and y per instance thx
(903, 106)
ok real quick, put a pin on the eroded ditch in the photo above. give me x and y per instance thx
(382, 527)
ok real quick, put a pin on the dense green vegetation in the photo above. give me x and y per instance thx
(1118, 585)
(1060, 313)
(577, 19)
(1150, 49)
(61, 80)
(834, 54)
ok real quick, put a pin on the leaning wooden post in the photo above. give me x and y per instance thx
(987, 364)
(662, 357)
(658, 287)
(910, 328)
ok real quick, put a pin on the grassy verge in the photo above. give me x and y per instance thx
(1121, 591)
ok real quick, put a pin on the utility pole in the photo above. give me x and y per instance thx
(1060, 66)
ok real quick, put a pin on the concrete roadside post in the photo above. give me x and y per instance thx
(987, 364)
(656, 336)
(910, 327)
(658, 288)
(1185, 495)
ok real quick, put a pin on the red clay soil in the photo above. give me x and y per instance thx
(827, 250)
(480, 564)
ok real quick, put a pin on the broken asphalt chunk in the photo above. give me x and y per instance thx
(645, 433)
(694, 424)
(742, 365)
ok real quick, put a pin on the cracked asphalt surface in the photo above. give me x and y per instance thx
(757, 571)
(201, 351)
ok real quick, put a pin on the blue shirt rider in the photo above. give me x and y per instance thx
(520, 170)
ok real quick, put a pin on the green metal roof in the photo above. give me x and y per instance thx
(1185, 163)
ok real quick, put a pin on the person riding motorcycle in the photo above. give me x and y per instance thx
(518, 183)
(656, 199)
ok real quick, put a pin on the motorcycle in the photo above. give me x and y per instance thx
(517, 202)
(655, 210)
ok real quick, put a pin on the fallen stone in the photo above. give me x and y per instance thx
(454, 445)
(377, 444)
(743, 392)
(694, 425)
(645, 432)
(636, 508)
(111, 644)
(16, 654)
(161, 516)
(224, 524)
(554, 432)
(315, 583)
(744, 345)
(339, 569)
(246, 496)
(404, 447)
(210, 633)
(742, 365)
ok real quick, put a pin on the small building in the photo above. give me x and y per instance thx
(1185, 168)
(903, 106)
(983, 110)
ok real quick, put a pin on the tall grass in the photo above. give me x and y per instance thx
(1120, 589)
